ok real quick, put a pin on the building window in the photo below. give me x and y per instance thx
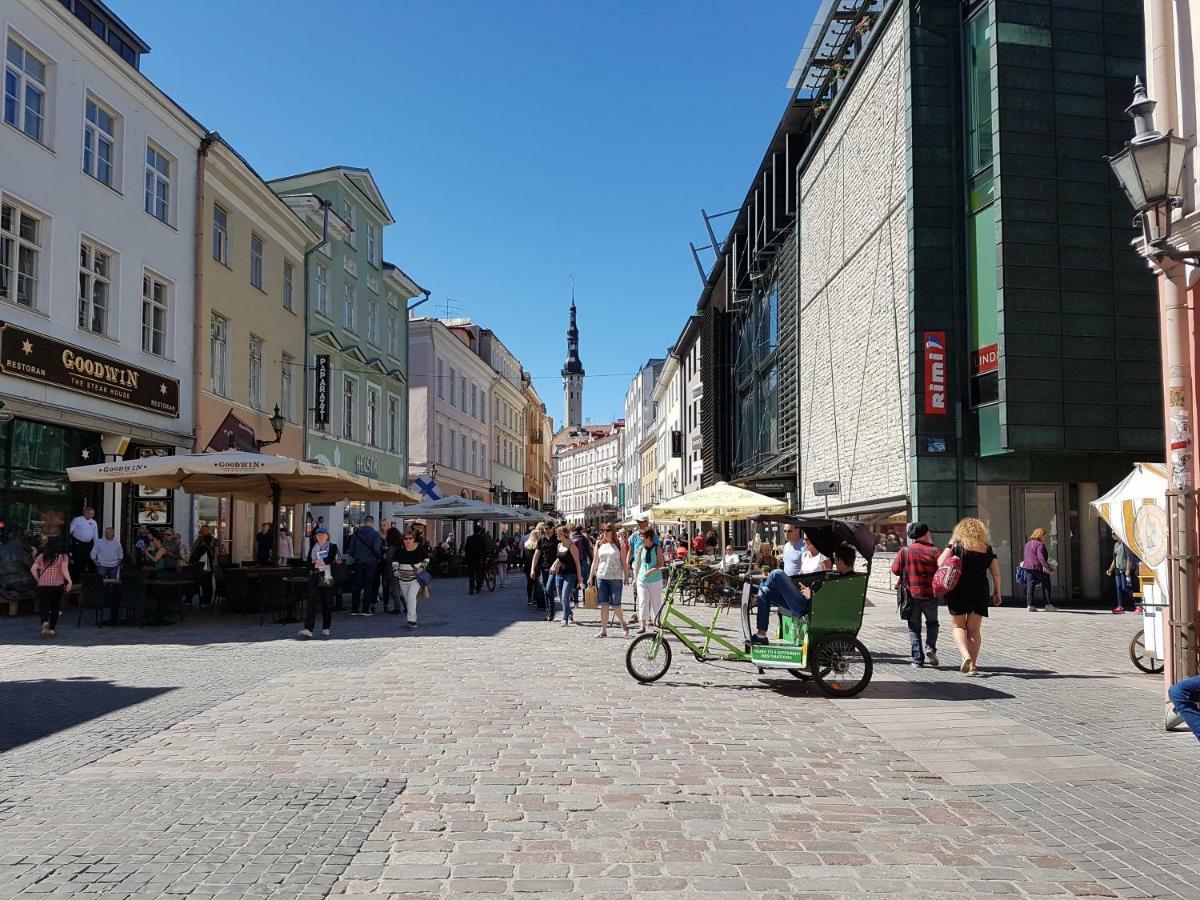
(155, 296)
(322, 301)
(462, 393)
(474, 456)
(25, 91)
(463, 450)
(394, 424)
(256, 261)
(287, 403)
(453, 382)
(371, 243)
(256, 372)
(441, 391)
(453, 447)
(373, 322)
(756, 381)
(99, 139)
(474, 403)
(348, 215)
(372, 417)
(220, 235)
(95, 286)
(218, 344)
(441, 434)
(158, 183)
(20, 254)
(349, 301)
(482, 407)
(392, 336)
(348, 408)
(288, 270)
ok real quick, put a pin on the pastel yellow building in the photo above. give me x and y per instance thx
(250, 334)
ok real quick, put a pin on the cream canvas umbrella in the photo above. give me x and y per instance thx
(718, 503)
(256, 477)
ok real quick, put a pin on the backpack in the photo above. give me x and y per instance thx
(945, 579)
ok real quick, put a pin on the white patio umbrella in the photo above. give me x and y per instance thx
(718, 503)
(256, 477)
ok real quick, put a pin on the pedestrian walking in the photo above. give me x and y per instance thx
(650, 561)
(323, 556)
(365, 547)
(612, 561)
(915, 565)
(475, 554)
(502, 564)
(641, 528)
(1121, 568)
(568, 573)
(1037, 570)
(408, 563)
(285, 548)
(51, 571)
(204, 558)
(528, 548)
(968, 601)
(393, 597)
(583, 544)
(83, 533)
(541, 566)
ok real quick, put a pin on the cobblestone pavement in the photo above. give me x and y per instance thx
(489, 753)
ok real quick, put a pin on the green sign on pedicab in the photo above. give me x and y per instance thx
(822, 646)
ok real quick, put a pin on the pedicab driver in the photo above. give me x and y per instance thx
(779, 589)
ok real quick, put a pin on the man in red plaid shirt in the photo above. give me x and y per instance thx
(915, 565)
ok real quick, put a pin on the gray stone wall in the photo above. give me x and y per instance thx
(853, 358)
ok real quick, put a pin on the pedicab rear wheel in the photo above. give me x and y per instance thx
(644, 661)
(841, 666)
(1137, 655)
(801, 674)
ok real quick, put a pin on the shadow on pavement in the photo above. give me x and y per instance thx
(32, 710)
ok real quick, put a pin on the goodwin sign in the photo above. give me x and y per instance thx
(38, 358)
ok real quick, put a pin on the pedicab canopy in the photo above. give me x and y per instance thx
(828, 534)
(1136, 511)
(256, 477)
(719, 502)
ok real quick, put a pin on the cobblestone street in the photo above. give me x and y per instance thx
(491, 753)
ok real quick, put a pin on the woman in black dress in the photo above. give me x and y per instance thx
(968, 602)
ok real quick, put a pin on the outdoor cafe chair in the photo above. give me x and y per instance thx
(235, 590)
(133, 597)
(92, 596)
(269, 596)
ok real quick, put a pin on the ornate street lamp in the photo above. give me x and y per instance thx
(277, 423)
(1149, 170)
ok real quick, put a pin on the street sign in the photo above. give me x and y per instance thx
(519, 498)
(827, 488)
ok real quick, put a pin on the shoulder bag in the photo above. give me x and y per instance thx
(945, 579)
(904, 600)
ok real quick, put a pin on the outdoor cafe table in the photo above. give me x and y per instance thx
(161, 589)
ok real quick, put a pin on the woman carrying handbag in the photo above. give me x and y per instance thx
(962, 578)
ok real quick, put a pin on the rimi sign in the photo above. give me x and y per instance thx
(936, 391)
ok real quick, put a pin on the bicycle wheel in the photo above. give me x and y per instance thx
(1137, 654)
(490, 580)
(841, 666)
(648, 658)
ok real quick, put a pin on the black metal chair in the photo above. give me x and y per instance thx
(341, 584)
(91, 596)
(235, 590)
(133, 597)
(269, 596)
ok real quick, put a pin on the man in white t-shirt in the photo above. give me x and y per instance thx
(84, 532)
(779, 589)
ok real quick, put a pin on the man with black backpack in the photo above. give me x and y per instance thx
(366, 548)
(915, 565)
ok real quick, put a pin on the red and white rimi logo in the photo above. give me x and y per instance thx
(935, 373)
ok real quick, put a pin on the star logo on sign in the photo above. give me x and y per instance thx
(86, 454)
(26, 346)
(162, 389)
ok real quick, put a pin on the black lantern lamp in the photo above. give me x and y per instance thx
(277, 423)
(1149, 170)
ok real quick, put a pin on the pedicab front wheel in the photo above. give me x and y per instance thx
(648, 658)
(841, 666)
(1151, 665)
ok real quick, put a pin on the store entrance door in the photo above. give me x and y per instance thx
(1044, 506)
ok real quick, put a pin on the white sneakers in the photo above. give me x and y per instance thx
(304, 634)
(324, 632)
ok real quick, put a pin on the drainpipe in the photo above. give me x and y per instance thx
(198, 283)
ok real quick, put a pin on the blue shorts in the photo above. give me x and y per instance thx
(610, 590)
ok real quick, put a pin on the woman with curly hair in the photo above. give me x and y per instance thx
(968, 602)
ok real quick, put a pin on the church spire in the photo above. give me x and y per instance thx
(572, 373)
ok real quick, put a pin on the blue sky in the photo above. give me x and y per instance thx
(517, 143)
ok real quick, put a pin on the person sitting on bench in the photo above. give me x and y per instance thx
(781, 591)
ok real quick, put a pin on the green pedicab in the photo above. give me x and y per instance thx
(822, 646)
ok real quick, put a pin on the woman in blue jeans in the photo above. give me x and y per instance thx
(568, 573)
(608, 573)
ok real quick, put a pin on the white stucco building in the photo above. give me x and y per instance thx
(97, 261)
(587, 473)
(639, 416)
(508, 417)
(668, 481)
